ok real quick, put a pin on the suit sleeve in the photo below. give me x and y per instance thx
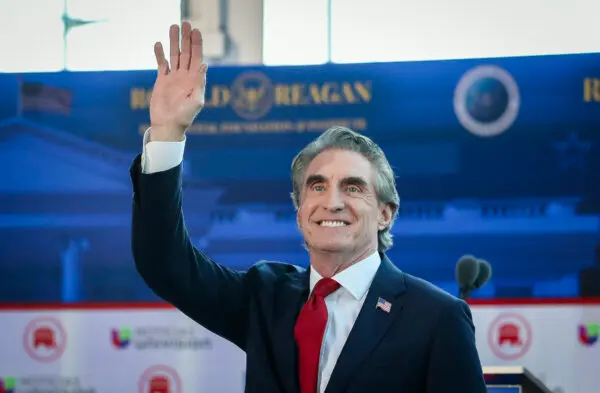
(454, 364)
(212, 295)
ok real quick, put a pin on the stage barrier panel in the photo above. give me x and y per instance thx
(158, 349)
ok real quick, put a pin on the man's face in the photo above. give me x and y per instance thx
(338, 209)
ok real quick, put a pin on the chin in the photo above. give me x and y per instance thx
(331, 246)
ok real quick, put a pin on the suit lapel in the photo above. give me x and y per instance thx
(371, 324)
(291, 296)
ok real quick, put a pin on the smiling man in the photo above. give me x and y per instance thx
(339, 210)
(352, 322)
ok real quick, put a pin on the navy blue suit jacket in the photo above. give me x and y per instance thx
(426, 344)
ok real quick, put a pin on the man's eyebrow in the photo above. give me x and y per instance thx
(312, 179)
(350, 180)
(354, 180)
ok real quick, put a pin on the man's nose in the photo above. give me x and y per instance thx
(334, 201)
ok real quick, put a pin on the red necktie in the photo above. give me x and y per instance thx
(309, 331)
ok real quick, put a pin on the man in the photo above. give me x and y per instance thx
(352, 322)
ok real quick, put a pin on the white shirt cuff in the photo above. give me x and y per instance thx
(159, 156)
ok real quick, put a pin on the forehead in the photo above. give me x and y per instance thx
(339, 164)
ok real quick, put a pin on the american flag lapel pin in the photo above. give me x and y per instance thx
(383, 305)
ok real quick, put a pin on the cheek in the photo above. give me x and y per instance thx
(303, 215)
(364, 209)
(300, 218)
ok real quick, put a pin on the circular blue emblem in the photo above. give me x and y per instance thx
(486, 101)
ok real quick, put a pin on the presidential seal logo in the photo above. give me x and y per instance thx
(486, 100)
(252, 95)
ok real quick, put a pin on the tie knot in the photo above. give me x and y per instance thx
(325, 287)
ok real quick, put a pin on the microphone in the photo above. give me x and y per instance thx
(471, 274)
(485, 273)
(467, 271)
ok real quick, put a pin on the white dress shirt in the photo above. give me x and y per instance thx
(343, 305)
(160, 156)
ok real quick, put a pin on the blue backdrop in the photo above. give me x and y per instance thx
(498, 158)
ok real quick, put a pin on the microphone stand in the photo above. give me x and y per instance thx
(464, 293)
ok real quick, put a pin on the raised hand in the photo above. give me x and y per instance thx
(178, 94)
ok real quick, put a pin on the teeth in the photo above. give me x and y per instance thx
(332, 223)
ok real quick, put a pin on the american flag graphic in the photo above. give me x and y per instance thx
(383, 305)
(43, 98)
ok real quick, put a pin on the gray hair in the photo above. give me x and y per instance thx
(345, 139)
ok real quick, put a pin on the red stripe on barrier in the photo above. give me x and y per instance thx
(85, 306)
(163, 306)
(536, 302)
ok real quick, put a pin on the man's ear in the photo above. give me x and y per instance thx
(385, 216)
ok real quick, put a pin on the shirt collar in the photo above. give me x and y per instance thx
(356, 279)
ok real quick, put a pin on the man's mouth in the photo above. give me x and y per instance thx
(333, 224)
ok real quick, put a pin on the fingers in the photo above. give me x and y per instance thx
(161, 61)
(197, 50)
(174, 46)
(200, 76)
(186, 46)
(191, 54)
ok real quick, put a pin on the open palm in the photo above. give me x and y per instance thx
(178, 94)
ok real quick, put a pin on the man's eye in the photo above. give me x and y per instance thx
(318, 187)
(353, 189)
